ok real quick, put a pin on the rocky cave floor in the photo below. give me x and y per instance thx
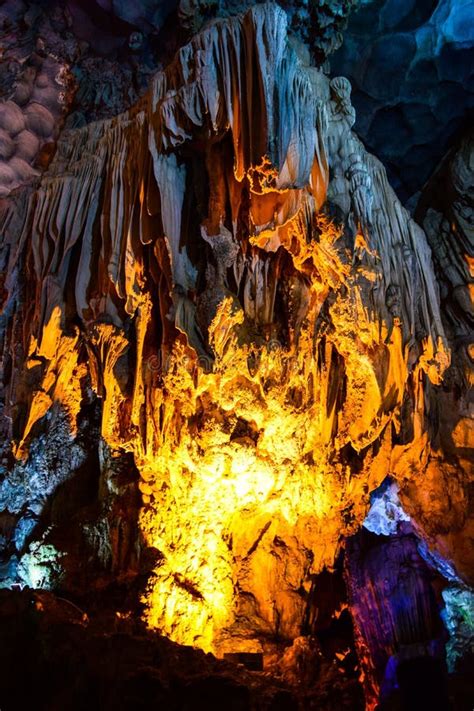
(95, 653)
(54, 655)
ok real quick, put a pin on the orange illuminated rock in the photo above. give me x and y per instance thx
(258, 359)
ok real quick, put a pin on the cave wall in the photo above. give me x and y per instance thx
(221, 332)
(411, 70)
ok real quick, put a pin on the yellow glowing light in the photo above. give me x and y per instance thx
(246, 459)
(245, 494)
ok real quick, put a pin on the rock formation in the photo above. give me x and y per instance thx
(411, 69)
(220, 334)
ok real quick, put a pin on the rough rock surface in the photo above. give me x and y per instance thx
(443, 508)
(58, 60)
(76, 662)
(397, 612)
(30, 117)
(410, 64)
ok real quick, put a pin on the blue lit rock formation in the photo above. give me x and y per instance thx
(385, 513)
(459, 619)
(410, 63)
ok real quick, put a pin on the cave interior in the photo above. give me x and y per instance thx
(236, 355)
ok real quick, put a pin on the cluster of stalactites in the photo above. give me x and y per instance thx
(239, 358)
